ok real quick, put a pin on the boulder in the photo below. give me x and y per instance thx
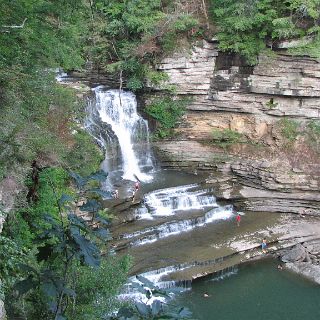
(297, 253)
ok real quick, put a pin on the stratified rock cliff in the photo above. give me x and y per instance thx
(265, 174)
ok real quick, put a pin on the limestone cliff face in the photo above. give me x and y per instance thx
(228, 94)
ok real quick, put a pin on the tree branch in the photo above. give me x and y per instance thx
(16, 26)
(205, 13)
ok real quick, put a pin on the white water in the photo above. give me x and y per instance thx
(152, 234)
(166, 202)
(118, 109)
(156, 277)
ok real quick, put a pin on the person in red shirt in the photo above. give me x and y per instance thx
(238, 219)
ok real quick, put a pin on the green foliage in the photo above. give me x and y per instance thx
(170, 39)
(97, 288)
(37, 113)
(226, 137)
(22, 225)
(84, 157)
(244, 26)
(157, 78)
(50, 35)
(36, 122)
(166, 111)
(271, 104)
(307, 47)
(314, 127)
(284, 28)
(135, 34)
(11, 256)
(289, 129)
(65, 251)
(313, 135)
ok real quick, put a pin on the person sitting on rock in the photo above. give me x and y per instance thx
(116, 194)
(133, 194)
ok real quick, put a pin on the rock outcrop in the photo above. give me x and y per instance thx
(268, 173)
(304, 259)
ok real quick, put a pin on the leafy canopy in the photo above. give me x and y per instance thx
(244, 26)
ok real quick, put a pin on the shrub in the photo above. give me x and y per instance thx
(313, 134)
(226, 137)
(167, 112)
(271, 104)
(85, 156)
(289, 129)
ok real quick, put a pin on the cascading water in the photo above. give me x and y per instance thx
(170, 200)
(181, 209)
(177, 227)
(114, 121)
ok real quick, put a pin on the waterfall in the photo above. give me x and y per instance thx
(116, 125)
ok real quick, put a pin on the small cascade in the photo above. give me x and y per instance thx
(224, 273)
(168, 201)
(114, 122)
(160, 279)
(156, 277)
(152, 234)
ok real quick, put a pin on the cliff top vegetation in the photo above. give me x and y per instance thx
(247, 27)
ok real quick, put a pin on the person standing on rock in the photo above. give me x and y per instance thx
(137, 186)
(238, 219)
(264, 245)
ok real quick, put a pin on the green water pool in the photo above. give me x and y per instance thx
(256, 291)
